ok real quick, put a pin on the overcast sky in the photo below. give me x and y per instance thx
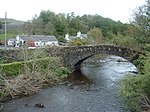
(26, 9)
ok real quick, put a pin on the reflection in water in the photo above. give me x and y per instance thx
(78, 77)
(95, 91)
(78, 80)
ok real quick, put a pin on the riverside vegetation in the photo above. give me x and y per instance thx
(28, 76)
(135, 89)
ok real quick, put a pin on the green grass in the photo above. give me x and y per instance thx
(16, 68)
(2, 36)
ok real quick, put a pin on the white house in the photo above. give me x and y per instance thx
(11, 42)
(36, 40)
(79, 35)
(67, 37)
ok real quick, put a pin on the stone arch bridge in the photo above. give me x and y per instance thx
(74, 56)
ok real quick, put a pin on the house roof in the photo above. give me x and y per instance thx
(83, 35)
(43, 38)
(72, 37)
(11, 39)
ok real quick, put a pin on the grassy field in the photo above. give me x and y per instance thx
(2, 36)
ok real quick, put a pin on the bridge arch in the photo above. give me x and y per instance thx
(76, 55)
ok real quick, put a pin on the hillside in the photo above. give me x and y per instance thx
(13, 28)
(12, 21)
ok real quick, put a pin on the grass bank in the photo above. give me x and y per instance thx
(27, 77)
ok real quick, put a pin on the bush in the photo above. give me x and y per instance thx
(135, 90)
(129, 42)
(132, 89)
(16, 68)
(34, 74)
(130, 92)
(62, 72)
(11, 69)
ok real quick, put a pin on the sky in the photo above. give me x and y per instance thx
(26, 9)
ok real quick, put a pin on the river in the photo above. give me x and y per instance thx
(95, 91)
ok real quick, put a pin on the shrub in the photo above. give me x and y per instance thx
(62, 72)
(16, 68)
(11, 69)
(34, 74)
(135, 90)
(130, 91)
(129, 42)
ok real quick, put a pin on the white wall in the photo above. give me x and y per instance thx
(19, 41)
(11, 43)
(53, 43)
(43, 44)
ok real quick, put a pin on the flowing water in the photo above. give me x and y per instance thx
(95, 91)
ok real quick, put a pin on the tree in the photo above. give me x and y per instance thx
(130, 30)
(77, 42)
(59, 24)
(141, 18)
(96, 36)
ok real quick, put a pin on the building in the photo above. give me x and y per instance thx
(79, 35)
(36, 40)
(11, 42)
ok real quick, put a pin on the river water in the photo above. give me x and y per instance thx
(95, 91)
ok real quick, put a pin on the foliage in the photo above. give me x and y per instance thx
(77, 42)
(146, 47)
(16, 68)
(33, 75)
(59, 24)
(129, 42)
(2, 36)
(62, 39)
(62, 71)
(36, 70)
(95, 25)
(141, 18)
(129, 93)
(135, 89)
(11, 68)
(132, 88)
(2, 60)
(95, 35)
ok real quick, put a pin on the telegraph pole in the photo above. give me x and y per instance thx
(5, 29)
